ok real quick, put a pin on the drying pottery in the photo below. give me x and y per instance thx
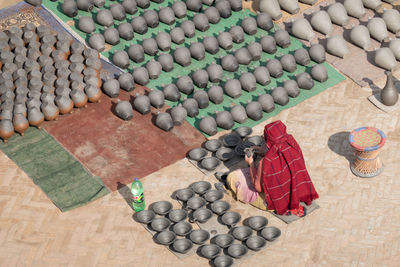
(254, 110)
(236, 5)
(111, 36)
(197, 50)
(208, 125)
(268, 44)
(220, 207)
(180, 9)
(317, 53)
(142, 104)
(282, 38)
(171, 92)
(141, 75)
(264, 21)
(255, 243)
(385, 58)
(86, 24)
(188, 28)
(338, 14)
(229, 63)
(321, 22)
(292, 88)
(164, 121)
(156, 98)
(182, 245)
(139, 25)
(233, 88)
(92, 80)
(111, 88)
(43, 30)
(239, 113)
(6, 129)
(160, 224)
(125, 31)
(243, 56)
(230, 218)
(319, 73)
(288, 63)
(389, 1)
(262, 76)
(210, 251)
(20, 108)
(224, 8)
(50, 111)
(166, 237)
(182, 56)
(248, 81)
(211, 44)
(93, 93)
(136, 53)
(214, 72)
(242, 233)
(395, 47)
(64, 104)
(97, 41)
(216, 94)
(123, 109)
(302, 57)
(203, 214)
(213, 144)
(336, 46)
(225, 153)
(191, 106)
(207, 2)
(302, 29)
(161, 207)
(177, 215)
(389, 94)
(290, 6)
(223, 240)
(85, 5)
(126, 81)
(154, 69)
(118, 11)
(212, 15)
(178, 114)
(182, 228)
(6, 114)
(249, 25)
(224, 120)
(354, 8)
(143, 3)
(20, 124)
(392, 20)
(166, 15)
(202, 98)
(194, 154)
(185, 85)
(69, 8)
(200, 78)
(304, 81)
(177, 35)
(225, 40)
(151, 18)
(377, 29)
(196, 202)
(257, 222)
(36, 118)
(194, 5)
(255, 50)
(79, 98)
(280, 96)
(270, 233)
(372, 4)
(201, 22)
(274, 67)
(237, 34)
(223, 261)
(271, 7)
(130, 6)
(150, 46)
(145, 216)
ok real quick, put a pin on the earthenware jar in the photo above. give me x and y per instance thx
(354, 8)
(267, 102)
(10, 67)
(35, 117)
(280, 96)
(308, 2)
(359, 35)
(201, 22)
(212, 15)
(304, 81)
(237, 34)
(385, 58)
(302, 29)
(224, 119)
(185, 85)
(92, 80)
(211, 44)
(166, 15)
(177, 35)
(288, 63)
(188, 28)
(197, 50)
(20, 123)
(194, 5)
(336, 46)
(216, 94)
(202, 98)
(123, 109)
(47, 97)
(50, 111)
(262, 75)
(6, 129)
(191, 106)
(163, 40)
(179, 9)
(93, 93)
(171, 92)
(6, 114)
(282, 38)
(290, 6)
(94, 63)
(395, 47)
(215, 72)
(268, 44)
(389, 93)
(292, 88)
(139, 25)
(178, 114)
(238, 113)
(372, 4)
(130, 6)
(321, 22)
(164, 121)
(136, 53)
(377, 29)
(392, 20)
(271, 7)
(125, 31)
(255, 50)
(236, 5)
(143, 3)
(121, 59)
(99, 3)
(264, 21)
(224, 8)
(151, 18)
(111, 88)
(229, 63)
(86, 24)
(208, 125)
(111, 36)
(141, 75)
(118, 11)
(248, 81)
(254, 110)
(338, 14)
(233, 88)
(79, 98)
(63, 91)
(182, 56)
(85, 5)
(126, 81)
(243, 56)
(154, 69)
(69, 8)
(249, 25)
(200, 78)
(317, 53)
(142, 103)
(274, 67)
(157, 98)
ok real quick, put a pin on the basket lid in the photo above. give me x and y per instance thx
(367, 139)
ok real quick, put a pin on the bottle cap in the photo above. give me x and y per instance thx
(136, 179)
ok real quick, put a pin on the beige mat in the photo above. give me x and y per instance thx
(376, 100)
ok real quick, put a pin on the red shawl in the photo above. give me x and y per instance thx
(285, 179)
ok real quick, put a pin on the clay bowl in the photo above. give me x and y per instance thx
(237, 250)
(223, 261)
(257, 222)
(195, 203)
(182, 245)
(161, 207)
(182, 228)
(184, 194)
(202, 215)
(225, 153)
(210, 251)
(256, 140)
(255, 243)
(231, 140)
(270, 233)
(213, 195)
(220, 207)
(160, 224)
(177, 215)
(210, 163)
(145, 216)
(201, 187)
(230, 218)
(212, 145)
(199, 236)
(197, 153)
(223, 240)
(242, 233)
(166, 237)
(243, 131)
(239, 149)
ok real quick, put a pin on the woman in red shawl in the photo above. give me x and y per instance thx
(280, 180)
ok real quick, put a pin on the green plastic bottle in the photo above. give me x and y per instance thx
(138, 195)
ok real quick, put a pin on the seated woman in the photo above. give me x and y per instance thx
(279, 181)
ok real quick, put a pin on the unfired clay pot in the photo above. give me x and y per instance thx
(248, 81)
(85, 5)
(180, 9)
(79, 98)
(118, 11)
(139, 25)
(178, 114)
(121, 59)
(225, 40)
(372, 4)
(262, 76)
(212, 15)
(191, 106)
(171, 92)
(200, 78)
(136, 53)
(319, 73)
(6, 129)
(302, 29)
(97, 41)
(124, 110)
(50, 111)
(130, 6)
(20, 123)
(268, 44)
(157, 98)
(208, 125)
(224, 8)
(216, 94)
(274, 67)
(126, 81)
(194, 5)
(239, 113)
(392, 20)
(202, 98)
(290, 6)
(389, 94)
(164, 121)
(188, 28)
(317, 53)
(354, 8)
(321, 22)
(304, 81)
(267, 102)
(151, 18)
(336, 46)
(359, 35)
(185, 85)
(93, 93)
(36, 118)
(255, 50)
(224, 120)
(141, 75)
(166, 15)
(282, 38)
(166, 61)
(215, 72)
(254, 110)
(177, 35)
(154, 69)
(280, 96)
(229, 63)
(395, 47)
(197, 50)
(125, 31)
(377, 29)
(182, 56)
(264, 21)
(150, 46)
(201, 22)
(243, 56)
(292, 88)
(385, 58)
(143, 3)
(271, 7)
(104, 17)
(249, 25)
(211, 44)
(111, 88)
(142, 104)
(288, 63)
(233, 88)
(237, 34)
(86, 24)
(301, 56)
(111, 36)
(70, 8)
(338, 14)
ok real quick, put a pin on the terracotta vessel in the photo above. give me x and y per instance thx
(389, 93)
(20, 123)
(93, 93)
(35, 117)
(79, 98)
(6, 130)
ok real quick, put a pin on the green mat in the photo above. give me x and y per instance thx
(223, 25)
(61, 177)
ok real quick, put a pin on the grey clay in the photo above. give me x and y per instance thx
(143, 3)
(249, 25)
(236, 5)
(225, 40)
(304, 81)
(200, 78)
(280, 96)
(85, 5)
(126, 81)
(163, 40)
(282, 38)
(93, 93)
(6, 129)
(262, 75)
(177, 35)
(111, 88)
(157, 98)
(64, 104)
(267, 102)
(291, 6)
(385, 58)
(79, 98)
(197, 50)
(264, 21)
(359, 35)
(136, 53)
(338, 14)
(124, 110)
(268, 44)
(188, 28)
(180, 9)
(208, 125)
(118, 11)
(151, 18)
(389, 94)
(34, 2)
(354, 8)
(239, 113)
(178, 114)
(243, 56)
(130, 6)
(121, 59)
(70, 8)
(229, 63)
(202, 98)
(125, 31)
(139, 25)
(392, 20)
(194, 5)
(216, 94)
(254, 110)
(86, 24)
(288, 63)
(211, 44)
(142, 104)
(377, 29)
(224, 8)
(99, 3)
(166, 15)
(372, 4)
(191, 106)
(317, 53)
(166, 61)
(141, 75)
(336, 46)
(292, 88)
(248, 82)
(224, 120)
(237, 34)
(185, 85)
(201, 22)
(255, 50)
(274, 67)
(233, 88)
(215, 72)
(182, 56)
(271, 7)
(164, 121)
(97, 41)
(171, 92)
(111, 36)
(302, 29)
(321, 22)
(212, 15)
(150, 46)
(395, 47)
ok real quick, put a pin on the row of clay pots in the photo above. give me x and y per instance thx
(273, 7)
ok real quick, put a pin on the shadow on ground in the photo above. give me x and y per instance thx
(339, 143)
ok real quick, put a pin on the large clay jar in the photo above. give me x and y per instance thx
(377, 29)
(211, 44)
(317, 53)
(236, 5)
(282, 38)
(224, 120)
(136, 53)
(201, 22)
(86, 24)
(249, 25)
(271, 7)
(180, 9)
(104, 17)
(237, 34)
(255, 50)
(130, 6)
(268, 44)
(79, 98)
(191, 106)
(215, 72)
(126, 81)
(185, 85)
(292, 88)
(202, 98)
(395, 47)
(157, 98)
(163, 40)
(248, 81)
(94, 93)
(111, 88)
(288, 63)
(225, 40)
(154, 69)
(20, 123)
(70, 8)
(212, 15)
(290, 6)
(372, 4)
(239, 113)
(64, 104)
(177, 35)
(389, 94)
(229, 63)
(385, 58)
(143, 3)
(150, 46)
(302, 29)
(197, 50)
(359, 35)
(166, 15)
(182, 56)
(6, 129)
(194, 5)
(142, 104)
(336, 46)
(50, 111)
(254, 110)
(200, 78)
(111, 36)
(233, 88)
(338, 14)
(321, 22)
(164, 121)
(224, 8)
(178, 114)
(188, 28)
(141, 75)
(354, 8)
(125, 31)
(243, 56)
(304, 81)
(216, 94)
(280, 96)
(166, 61)
(262, 76)
(97, 41)
(118, 11)
(85, 5)
(171, 92)
(264, 21)
(274, 67)
(35, 117)
(301, 56)
(124, 110)
(139, 25)
(392, 20)
(267, 102)
(121, 59)
(208, 125)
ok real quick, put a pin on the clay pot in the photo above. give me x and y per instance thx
(63, 91)
(302, 57)
(150, 46)
(79, 98)
(139, 25)
(11, 67)
(201, 22)
(188, 28)
(151, 18)
(142, 104)
(385, 58)
(86, 24)
(141, 75)
(236, 5)
(224, 120)
(121, 59)
(185, 85)
(200, 78)
(178, 114)
(317, 53)
(321, 22)
(233, 88)
(93, 93)
(392, 20)
(43, 30)
(282, 38)
(154, 69)
(211, 44)
(99, 3)
(249, 25)
(254, 110)
(389, 94)
(302, 29)
(271, 7)
(202, 98)
(304, 81)
(212, 15)
(194, 5)
(124, 110)
(280, 96)
(30, 36)
(125, 31)
(50, 111)
(6, 114)
(69, 8)
(208, 125)
(92, 80)
(215, 72)
(337, 46)
(197, 51)
(97, 41)
(268, 44)
(354, 8)
(136, 53)
(118, 11)
(225, 40)
(126, 82)
(85, 5)
(288, 63)
(177, 35)
(6, 130)
(372, 4)
(262, 75)
(338, 14)
(229, 63)
(359, 35)
(290, 6)
(237, 34)
(182, 56)
(171, 92)
(94, 63)
(207, 2)
(377, 29)
(264, 21)
(130, 6)
(143, 3)
(395, 47)
(292, 88)
(35, 117)
(243, 56)
(255, 50)
(166, 15)
(274, 67)
(157, 99)
(224, 8)
(267, 102)
(216, 94)
(191, 106)
(20, 123)
(111, 88)
(248, 82)
(166, 61)
(164, 121)
(179, 9)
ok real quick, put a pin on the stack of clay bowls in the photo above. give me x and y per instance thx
(43, 74)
